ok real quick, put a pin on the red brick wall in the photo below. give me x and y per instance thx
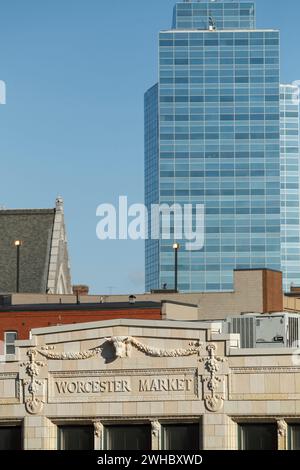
(23, 322)
(272, 291)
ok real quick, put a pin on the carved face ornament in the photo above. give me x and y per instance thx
(120, 344)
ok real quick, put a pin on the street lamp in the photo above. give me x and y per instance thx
(176, 247)
(18, 244)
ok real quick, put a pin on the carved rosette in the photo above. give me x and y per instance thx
(34, 405)
(34, 387)
(213, 398)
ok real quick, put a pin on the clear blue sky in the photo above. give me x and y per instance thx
(76, 71)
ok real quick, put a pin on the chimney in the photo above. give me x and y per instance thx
(81, 290)
(295, 289)
(272, 291)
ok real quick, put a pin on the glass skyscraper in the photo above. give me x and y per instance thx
(212, 137)
(152, 181)
(290, 196)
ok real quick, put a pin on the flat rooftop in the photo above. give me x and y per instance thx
(80, 307)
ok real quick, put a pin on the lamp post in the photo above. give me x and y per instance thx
(18, 244)
(176, 247)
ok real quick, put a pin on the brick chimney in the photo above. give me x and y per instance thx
(272, 291)
(81, 290)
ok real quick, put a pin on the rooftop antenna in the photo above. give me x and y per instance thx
(211, 24)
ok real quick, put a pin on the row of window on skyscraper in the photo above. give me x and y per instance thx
(223, 134)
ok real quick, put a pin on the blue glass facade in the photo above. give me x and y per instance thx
(222, 15)
(218, 143)
(151, 180)
(290, 196)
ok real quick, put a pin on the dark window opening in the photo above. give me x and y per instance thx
(10, 338)
(294, 437)
(180, 437)
(75, 438)
(128, 437)
(10, 438)
(258, 437)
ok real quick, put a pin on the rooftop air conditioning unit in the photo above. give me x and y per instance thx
(266, 331)
(245, 326)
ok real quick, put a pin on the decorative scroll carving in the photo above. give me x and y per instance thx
(34, 404)
(98, 429)
(123, 345)
(49, 353)
(213, 400)
(282, 428)
(155, 428)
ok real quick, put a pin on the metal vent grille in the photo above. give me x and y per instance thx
(293, 340)
(246, 328)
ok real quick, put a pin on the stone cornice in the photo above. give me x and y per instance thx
(264, 370)
(123, 372)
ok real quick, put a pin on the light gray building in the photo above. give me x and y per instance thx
(142, 385)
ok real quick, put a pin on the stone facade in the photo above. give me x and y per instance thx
(155, 372)
(59, 275)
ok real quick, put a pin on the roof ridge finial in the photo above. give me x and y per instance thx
(59, 204)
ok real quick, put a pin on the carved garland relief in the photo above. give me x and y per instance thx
(34, 387)
(213, 400)
(122, 346)
(34, 403)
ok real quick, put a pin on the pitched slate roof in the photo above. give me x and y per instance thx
(37, 229)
